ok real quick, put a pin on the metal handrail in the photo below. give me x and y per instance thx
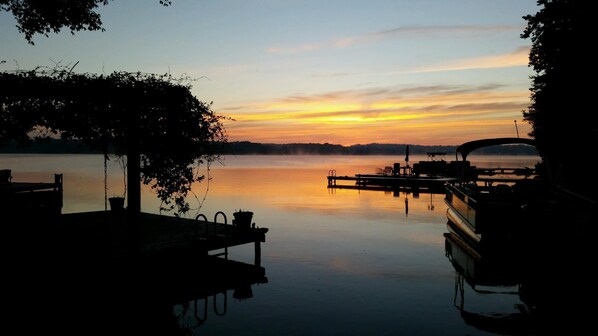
(205, 219)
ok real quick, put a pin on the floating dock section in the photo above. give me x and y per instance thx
(389, 182)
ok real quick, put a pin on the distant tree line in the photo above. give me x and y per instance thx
(249, 148)
(246, 147)
(59, 146)
(50, 146)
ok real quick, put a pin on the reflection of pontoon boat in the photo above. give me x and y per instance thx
(488, 275)
(505, 228)
(488, 206)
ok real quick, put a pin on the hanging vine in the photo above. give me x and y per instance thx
(105, 183)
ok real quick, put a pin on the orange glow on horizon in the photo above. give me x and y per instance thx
(447, 118)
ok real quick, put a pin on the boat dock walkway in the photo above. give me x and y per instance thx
(433, 179)
(108, 234)
(389, 182)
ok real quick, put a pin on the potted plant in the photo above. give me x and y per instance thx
(242, 218)
(5, 175)
(117, 203)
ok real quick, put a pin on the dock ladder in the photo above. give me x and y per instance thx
(211, 229)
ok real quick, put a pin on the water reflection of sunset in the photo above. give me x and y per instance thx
(322, 243)
(305, 191)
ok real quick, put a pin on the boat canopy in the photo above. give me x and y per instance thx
(470, 146)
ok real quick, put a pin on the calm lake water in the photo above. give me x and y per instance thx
(338, 261)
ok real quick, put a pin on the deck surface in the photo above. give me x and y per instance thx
(108, 234)
(38, 227)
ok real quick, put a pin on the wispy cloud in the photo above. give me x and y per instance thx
(423, 31)
(296, 49)
(519, 57)
(331, 75)
(405, 31)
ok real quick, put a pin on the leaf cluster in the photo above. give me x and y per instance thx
(45, 16)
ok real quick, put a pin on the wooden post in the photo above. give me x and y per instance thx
(133, 181)
(258, 254)
(58, 189)
(133, 184)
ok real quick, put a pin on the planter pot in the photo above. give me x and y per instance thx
(5, 175)
(117, 203)
(242, 219)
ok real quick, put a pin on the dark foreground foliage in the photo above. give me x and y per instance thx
(562, 108)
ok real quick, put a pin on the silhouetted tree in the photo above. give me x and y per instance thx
(46, 16)
(562, 108)
(172, 130)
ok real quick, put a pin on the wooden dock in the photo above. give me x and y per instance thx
(389, 182)
(83, 264)
(116, 270)
(433, 179)
(27, 197)
(33, 219)
(113, 234)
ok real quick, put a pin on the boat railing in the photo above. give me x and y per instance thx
(490, 177)
(507, 171)
(462, 194)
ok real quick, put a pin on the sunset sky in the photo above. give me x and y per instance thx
(430, 72)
